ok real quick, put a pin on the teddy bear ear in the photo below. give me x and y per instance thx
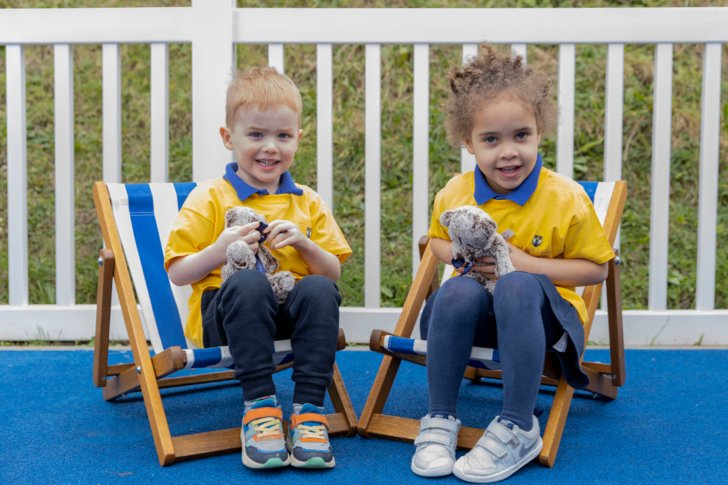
(229, 216)
(446, 217)
(491, 224)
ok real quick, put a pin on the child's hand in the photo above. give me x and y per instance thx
(248, 233)
(486, 266)
(518, 256)
(281, 233)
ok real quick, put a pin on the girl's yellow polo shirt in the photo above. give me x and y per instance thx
(557, 221)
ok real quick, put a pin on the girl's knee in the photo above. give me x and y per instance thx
(460, 289)
(518, 298)
(516, 285)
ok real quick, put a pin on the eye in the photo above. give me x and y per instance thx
(490, 139)
(522, 135)
(284, 136)
(255, 134)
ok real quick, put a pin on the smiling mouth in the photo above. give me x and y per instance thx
(267, 163)
(508, 170)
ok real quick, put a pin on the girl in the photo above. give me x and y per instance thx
(499, 110)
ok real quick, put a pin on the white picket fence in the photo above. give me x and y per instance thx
(213, 27)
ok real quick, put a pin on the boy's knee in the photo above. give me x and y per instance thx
(318, 288)
(251, 284)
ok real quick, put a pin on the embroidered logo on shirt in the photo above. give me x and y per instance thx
(308, 233)
(536, 241)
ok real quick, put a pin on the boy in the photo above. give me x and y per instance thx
(263, 119)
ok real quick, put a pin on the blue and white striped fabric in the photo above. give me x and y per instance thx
(600, 193)
(480, 357)
(144, 215)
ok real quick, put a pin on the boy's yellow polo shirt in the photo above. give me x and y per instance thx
(557, 220)
(202, 219)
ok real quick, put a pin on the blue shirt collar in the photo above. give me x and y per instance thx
(519, 195)
(286, 186)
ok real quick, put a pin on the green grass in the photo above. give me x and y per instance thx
(349, 161)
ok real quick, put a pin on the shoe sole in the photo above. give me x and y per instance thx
(270, 463)
(315, 462)
(503, 474)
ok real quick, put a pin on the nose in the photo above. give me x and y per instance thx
(269, 145)
(508, 152)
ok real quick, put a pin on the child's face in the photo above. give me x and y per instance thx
(504, 140)
(264, 143)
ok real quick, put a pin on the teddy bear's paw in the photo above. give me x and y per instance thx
(226, 271)
(239, 253)
(490, 286)
(282, 283)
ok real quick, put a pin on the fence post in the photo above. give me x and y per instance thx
(212, 65)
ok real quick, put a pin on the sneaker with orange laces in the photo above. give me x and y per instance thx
(308, 439)
(262, 435)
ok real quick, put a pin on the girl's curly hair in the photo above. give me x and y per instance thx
(488, 75)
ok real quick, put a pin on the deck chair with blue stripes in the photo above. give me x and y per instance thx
(135, 220)
(605, 378)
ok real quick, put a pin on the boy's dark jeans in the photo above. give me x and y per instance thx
(244, 315)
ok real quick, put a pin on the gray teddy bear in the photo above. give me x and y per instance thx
(240, 256)
(474, 235)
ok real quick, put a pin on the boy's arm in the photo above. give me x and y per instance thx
(283, 233)
(193, 267)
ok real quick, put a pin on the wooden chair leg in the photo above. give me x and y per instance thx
(422, 284)
(555, 424)
(345, 415)
(379, 393)
(614, 315)
(103, 317)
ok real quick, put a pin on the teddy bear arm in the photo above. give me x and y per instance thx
(502, 254)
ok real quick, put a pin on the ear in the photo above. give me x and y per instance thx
(446, 217)
(469, 146)
(300, 135)
(226, 137)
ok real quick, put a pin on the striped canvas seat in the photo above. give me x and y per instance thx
(144, 215)
(135, 221)
(604, 379)
(600, 193)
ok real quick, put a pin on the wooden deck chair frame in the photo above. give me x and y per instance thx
(149, 373)
(604, 378)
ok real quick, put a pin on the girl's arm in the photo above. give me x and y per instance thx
(441, 248)
(564, 272)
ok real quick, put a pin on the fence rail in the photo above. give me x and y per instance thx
(214, 28)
